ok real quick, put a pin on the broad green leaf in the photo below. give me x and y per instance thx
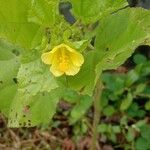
(91, 11)
(8, 71)
(9, 65)
(6, 96)
(43, 12)
(35, 77)
(6, 50)
(27, 110)
(84, 80)
(14, 25)
(119, 34)
(37, 89)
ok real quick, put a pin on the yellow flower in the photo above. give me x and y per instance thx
(63, 60)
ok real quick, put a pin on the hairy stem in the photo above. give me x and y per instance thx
(97, 112)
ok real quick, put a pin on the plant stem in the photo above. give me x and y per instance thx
(96, 98)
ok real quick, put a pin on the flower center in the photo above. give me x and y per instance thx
(63, 63)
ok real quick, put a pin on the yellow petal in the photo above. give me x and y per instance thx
(47, 58)
(55, 71)
(63, 59)
(72, 70)
(77, 59)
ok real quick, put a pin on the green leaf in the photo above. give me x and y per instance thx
(37, 88)
(35, 77)
(134, 111)
(139, 58)
(145, 131)
(109, 110)
(143, 69)
(147, 105)
(84, 80)
(130, 134)
(116, 129)
(126, 102)
(139, 124)
(142, 144)
(70, 96)
(140, 88)
(117, 86)
(9, 65)
(27, 110)
(104, 99)
(115, 39)
(6, 96)
(102, 128)
(14, 25)
(132, 77)
(80, 108)
(7, 51)
(79, 45)
(43, 12)
(89, 11)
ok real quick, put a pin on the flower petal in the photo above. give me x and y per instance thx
(47, 58)
(56, 72)
(72, 70)
(63, 59)
(77, 59)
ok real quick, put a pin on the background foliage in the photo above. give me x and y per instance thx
(106, 37)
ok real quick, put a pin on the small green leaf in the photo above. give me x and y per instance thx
(130, 135)
(139, 58)
(132, 77)
(116, 129)
(80, 45)
(70, 96)
(80, 108)
(147, 105)
(102, 128)
(140, 88)
(109, 110)
(104, 99)
(126, 102)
